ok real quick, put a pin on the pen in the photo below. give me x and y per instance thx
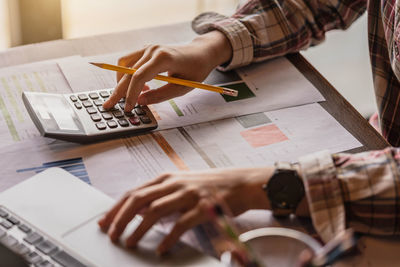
(221, 90)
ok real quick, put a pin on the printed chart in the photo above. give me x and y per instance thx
(74, 166)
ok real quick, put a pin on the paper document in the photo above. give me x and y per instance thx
(262, 87)
(247, 141)
(15, 123)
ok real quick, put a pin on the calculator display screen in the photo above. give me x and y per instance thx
(61, 112)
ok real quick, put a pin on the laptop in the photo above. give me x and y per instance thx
(51, 220)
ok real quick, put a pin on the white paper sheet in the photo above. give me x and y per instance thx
(259, 140)
(15, 123)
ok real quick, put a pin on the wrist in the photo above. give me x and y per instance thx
(215, 47)
(302, 209)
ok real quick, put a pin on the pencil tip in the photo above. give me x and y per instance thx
(96, 64)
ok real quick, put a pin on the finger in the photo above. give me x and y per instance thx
(137, 201)
(187, 221)
(163, 93)
(129, 60)
(106, 220)
(144, 74)
(119, 92)
(158, 180)
(160, 208)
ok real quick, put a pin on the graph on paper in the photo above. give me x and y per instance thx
(15, 122)
(74, 166)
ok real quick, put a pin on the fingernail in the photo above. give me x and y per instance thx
(105, 104)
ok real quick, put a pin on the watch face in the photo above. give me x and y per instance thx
(285, 189)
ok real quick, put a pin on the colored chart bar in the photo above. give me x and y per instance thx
(74, 166)
(176, 108)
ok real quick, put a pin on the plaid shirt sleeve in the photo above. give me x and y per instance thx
(360, 191)
(263, 29)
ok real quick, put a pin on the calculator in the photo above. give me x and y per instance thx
(80, 117)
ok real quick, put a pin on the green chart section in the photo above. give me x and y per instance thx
(8, 119)
(242, 88)
(177, 110)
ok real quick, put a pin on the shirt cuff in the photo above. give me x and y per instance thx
(234, 30)
(324, 194)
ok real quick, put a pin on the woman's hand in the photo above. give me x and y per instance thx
(190, 194)
(193, 61)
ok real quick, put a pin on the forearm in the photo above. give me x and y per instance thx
(215, 47)
(260, 30)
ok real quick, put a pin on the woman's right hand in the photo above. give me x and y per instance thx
(193, 61)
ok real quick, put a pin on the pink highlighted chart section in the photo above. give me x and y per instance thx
(264, 136)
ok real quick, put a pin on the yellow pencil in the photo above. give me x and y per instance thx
(221, 90)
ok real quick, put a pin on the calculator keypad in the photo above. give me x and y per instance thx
(109, 118)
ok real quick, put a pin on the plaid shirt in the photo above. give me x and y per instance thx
(343, 190)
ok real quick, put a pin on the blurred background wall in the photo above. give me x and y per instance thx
(342, 58)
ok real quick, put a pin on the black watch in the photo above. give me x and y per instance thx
(285, 190)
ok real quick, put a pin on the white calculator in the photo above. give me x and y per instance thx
(80, 117)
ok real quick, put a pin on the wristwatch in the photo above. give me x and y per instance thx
(285, 189)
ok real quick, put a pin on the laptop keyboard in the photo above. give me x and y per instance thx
(35, 248)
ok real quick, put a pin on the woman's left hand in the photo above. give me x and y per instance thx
(190, 194)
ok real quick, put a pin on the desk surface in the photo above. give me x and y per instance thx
(335, 104)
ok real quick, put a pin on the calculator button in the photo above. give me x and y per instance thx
(118, 114)
(101, 126)
(101, 109)
(122, 105)
(83, 97)
(107, 116)
(78, 105)
(94, 95)
(95, 117)
(91, 110)
(114, 108)
(134, 120)
(123, 122)
(145, 119)
(87, 103)
(73, 98)
(112, 124)
(139, 111)
(98, 102)
(104, 94)
(129, 114)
